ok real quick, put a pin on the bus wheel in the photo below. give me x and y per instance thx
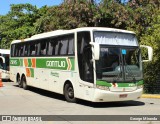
(19, 82)
(69, 93)
(24, 83)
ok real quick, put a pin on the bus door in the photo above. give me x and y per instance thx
(85, 65)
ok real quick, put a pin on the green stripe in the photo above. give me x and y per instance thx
(129, 84)
(103, 83)
(29, 63)
(72, 62)
(32, 72)
(21, 62)
(50, 63)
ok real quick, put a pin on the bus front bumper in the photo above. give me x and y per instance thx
(108, 96)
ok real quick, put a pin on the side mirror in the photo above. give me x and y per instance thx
(150, 53)
(95, 50)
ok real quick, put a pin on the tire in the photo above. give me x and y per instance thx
(19, 82)
(69, 93)
(24, 83)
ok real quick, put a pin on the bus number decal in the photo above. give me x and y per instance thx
(13, 62)
(16, 62)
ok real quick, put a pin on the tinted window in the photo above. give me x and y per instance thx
(71, 46)
(61, 45)
(43, 47)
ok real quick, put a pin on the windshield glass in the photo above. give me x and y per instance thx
(108, 67)
(119, 64)
(132, 64)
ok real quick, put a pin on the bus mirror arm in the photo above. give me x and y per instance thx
(150, 53)
(95, 50)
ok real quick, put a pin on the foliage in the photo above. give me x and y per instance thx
(18, 23)
(69, 16)
(152, 38)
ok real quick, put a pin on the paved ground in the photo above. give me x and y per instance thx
(16, 101)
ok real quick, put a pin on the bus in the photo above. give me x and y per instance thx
(90, 63)
(4, 63)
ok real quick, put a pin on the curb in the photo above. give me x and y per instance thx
(150, 96)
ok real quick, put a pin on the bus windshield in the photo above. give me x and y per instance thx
(120, 58)
(119, 64)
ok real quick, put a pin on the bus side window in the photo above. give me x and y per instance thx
(22, 50)
(13, 50)
(50, 48)
(38, 48)
(57, 47)
(32, 49)
(71, 46)
(63, 46)
(53, 47)
(26, 50)
(16, 50)
(43, 49)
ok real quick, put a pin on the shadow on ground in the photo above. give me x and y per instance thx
(111, 104)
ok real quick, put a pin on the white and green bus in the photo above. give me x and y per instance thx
(91, 63)
(4, 63)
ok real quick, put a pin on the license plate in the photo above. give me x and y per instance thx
(122, 95)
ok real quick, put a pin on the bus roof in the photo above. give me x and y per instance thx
(63, 32)
(4, 51)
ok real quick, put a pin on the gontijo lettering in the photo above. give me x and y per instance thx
(55, 63)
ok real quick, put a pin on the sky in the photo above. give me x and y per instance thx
(5, 5)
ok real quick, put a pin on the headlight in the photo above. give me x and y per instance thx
(140, 86)
(102, 87)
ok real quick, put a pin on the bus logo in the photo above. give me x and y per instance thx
(56, 64)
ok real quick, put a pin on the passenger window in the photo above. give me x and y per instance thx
(13, 50)
(32, 49)
(57, 48)
(70, 46)
(26, 48)
(63, 46)
(43, 49)
(38, 48)
(50, 48)
(21, 51)
(16, 49)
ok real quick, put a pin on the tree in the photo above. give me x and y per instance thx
(151, 70)
(18, 23)
(69, 16)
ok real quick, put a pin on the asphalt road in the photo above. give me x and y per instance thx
(16, 101)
